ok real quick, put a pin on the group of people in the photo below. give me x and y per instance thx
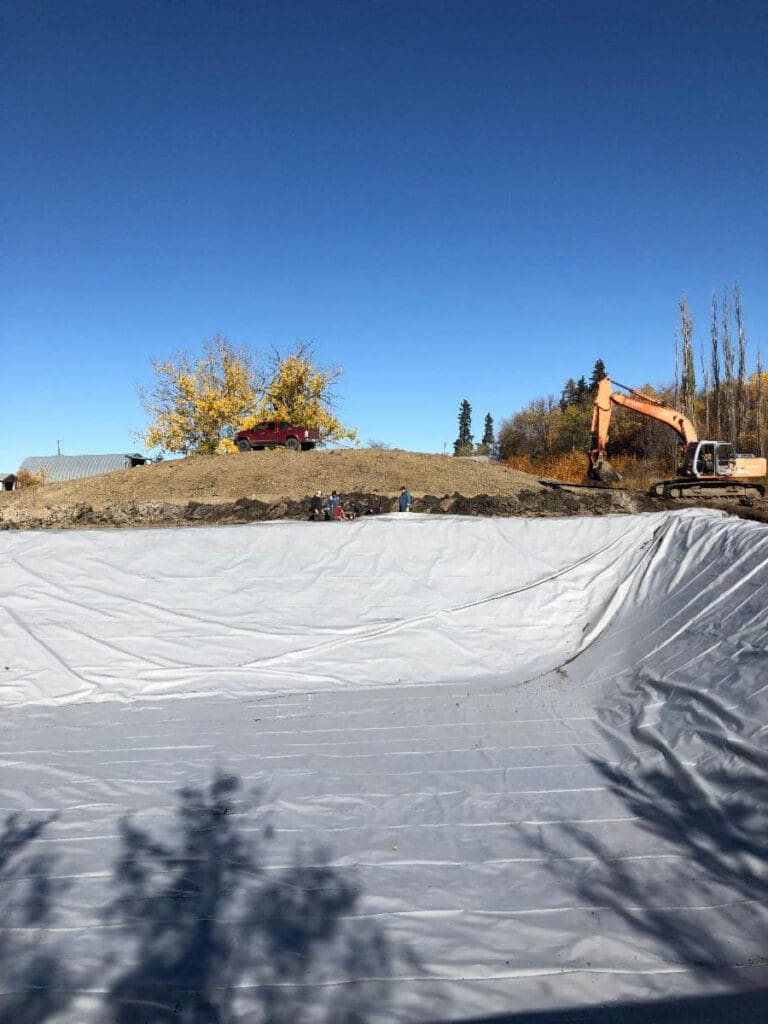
(334, 508)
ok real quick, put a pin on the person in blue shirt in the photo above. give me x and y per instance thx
(405, 500)
(333, 503)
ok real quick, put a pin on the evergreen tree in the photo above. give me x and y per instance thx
(488, 431)
(598, 373)
(568, 395)
(463, 443)
(582, 391)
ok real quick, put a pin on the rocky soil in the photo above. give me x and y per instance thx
(279, 484)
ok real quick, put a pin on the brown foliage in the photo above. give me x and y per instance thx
(571, 468)
(26, 479)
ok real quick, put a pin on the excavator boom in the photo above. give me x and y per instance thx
(602, 409)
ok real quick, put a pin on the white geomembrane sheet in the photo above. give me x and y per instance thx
(404, 769)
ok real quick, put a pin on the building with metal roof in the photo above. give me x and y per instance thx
(71, 467)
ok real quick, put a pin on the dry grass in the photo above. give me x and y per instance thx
(571, 468)
(639, 473)
(270, 476)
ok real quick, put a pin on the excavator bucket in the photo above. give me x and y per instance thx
(603, 471)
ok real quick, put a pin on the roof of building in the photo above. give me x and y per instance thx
(72, 467)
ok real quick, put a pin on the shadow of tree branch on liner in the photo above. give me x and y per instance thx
(33, 978)
(219, 939)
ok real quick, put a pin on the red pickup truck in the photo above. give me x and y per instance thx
(276, 434)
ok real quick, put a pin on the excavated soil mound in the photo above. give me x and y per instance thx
(278, 485)
(274, 475)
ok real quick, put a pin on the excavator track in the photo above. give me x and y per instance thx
(676, 489)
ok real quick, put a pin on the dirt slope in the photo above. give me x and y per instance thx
(279, 484)
(270, 476)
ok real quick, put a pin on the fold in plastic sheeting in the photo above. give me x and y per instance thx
(427, 768)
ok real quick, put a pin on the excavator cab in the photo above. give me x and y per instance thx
(709, 459)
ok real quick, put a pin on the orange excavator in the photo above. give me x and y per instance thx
(708, 468)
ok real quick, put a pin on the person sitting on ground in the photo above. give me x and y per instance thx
(338, 511)
(316, 506)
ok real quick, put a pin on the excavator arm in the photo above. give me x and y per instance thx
(602, 408)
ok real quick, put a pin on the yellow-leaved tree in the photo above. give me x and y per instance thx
(195, 400)
(196, 405)
(299, 392)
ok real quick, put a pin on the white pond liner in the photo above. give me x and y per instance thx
(409, 768)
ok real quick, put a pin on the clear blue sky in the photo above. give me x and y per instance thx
(450, 199)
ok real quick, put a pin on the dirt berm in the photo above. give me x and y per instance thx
(279, 484)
